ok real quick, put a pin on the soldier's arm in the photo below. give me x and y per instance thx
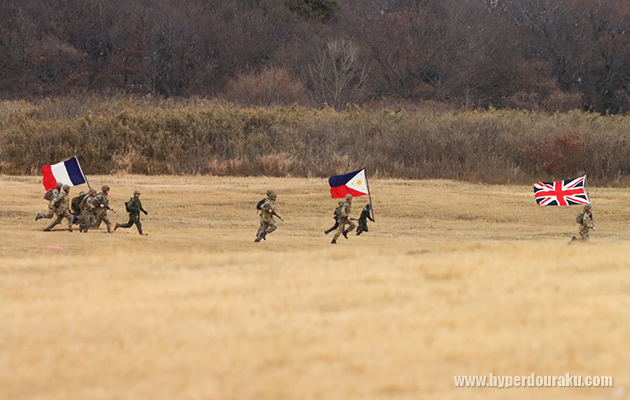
(140, 207)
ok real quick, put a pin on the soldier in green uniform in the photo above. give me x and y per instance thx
(88, 211)
(344, 219)
(51, 196)
(365, 215)
(267, 223)
(62, 209)
(134, 206)
(101, 202)
(585, 219)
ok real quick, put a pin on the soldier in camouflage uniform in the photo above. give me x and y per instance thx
(585, 219)
(134, 206)
(336, 218)
(344, 219)
(101, 202)
(62, 209)
(267, 223)
(88, 211)
(55, 195)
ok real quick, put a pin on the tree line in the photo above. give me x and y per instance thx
(549, 55)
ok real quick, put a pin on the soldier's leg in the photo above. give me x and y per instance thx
(271, 226)
(350, 228)
(261, 232)
(54, 223)
(360, 228)
(129, 224)
(584, 234)
(105, 218)
(339, 231)
(70, 219)
(327, 231)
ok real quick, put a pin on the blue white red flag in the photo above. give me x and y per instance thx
(562, 193)
(67, 172)
(353, 183)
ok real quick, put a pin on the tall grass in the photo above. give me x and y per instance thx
(149, 136)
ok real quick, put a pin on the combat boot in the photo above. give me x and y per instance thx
(334, 241)
(345, 234)
(118, 226)
(39, 216)
(47, 230)
(257, 239)
(326, 232)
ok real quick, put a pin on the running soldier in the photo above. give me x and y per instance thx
(62, 209)
(101, 202)
(88, 211)
(344, 219)
(336, 218)
(134, 206)
(51, 195)
(365, 215)
(267, 223)
(585, 219)
(260, 203)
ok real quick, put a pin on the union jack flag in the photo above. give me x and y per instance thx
(562, 193)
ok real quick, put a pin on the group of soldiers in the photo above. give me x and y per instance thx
(88, 210)
(267, 210)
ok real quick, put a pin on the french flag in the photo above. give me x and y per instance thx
(67, 172)
(353, 183)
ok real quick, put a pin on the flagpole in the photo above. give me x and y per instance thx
(369, 195)
(588, 193)
(86, 179)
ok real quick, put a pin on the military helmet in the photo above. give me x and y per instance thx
(588, 207)
(348, 196)
(91, 191)
(66, 188)
(368, 206)
(82, 193)
(105, 188)
(269, 192)
(273, 196)
(59, 185)
(135, 192)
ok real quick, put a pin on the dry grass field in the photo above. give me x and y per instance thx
(452, 279)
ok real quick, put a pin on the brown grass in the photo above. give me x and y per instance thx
(156, 137)
(452, 279)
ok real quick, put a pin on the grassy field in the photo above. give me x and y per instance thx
(452, 279)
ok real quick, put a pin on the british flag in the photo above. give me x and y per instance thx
(562, 193)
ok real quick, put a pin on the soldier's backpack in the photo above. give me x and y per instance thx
(260, 203)
(580, 218)
(76, 203)
(338, 209)
(49, 194)
(127, 207)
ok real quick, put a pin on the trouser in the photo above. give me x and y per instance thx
(102, 216)
(327, 231)
(60, 217)
(87, 220)
(266, 227)
(342, 225)
(584, 233)
(362, 226)
(47, 216)
(133, 219)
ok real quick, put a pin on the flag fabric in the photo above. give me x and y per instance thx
(67, 172)
(353, 183)
(562, 193)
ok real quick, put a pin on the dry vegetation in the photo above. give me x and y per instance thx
(151, 136)
(452, 279)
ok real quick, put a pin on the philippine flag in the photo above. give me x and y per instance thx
(353, 183)
(67, 172)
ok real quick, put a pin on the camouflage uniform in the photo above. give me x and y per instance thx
(51, 211)
(344, 219)
(62, 209)
(134, 206)
(88, 212)
(336, 218)
(267, 223)
(101, 202)
(587, 222)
